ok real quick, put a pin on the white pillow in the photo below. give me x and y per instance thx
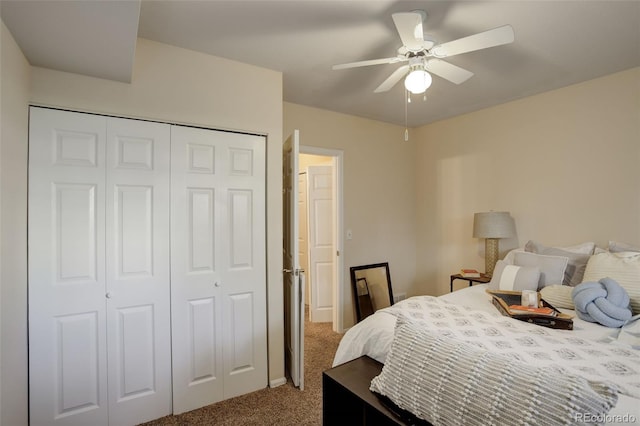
(623, 267)
(584, 248)
(617, 247)
(514, 278)
(551, 267)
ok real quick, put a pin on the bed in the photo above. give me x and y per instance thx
(459, 316)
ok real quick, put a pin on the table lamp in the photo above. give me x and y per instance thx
(492, 226)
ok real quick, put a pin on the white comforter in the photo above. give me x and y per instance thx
(374, 335)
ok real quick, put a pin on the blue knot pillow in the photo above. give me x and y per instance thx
(604, 302)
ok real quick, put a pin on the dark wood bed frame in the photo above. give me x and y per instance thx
(346, 398)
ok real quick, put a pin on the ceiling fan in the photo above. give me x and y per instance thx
(424, 55)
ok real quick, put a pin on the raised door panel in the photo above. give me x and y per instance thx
(202, 342)
(76, 234)
(201, 232)
(137, 273)
(76, 353)
(195, 279)
(67, 338)
(240, 353)
(133, 231)
(240, 228)
(324, 272)
(135, 349)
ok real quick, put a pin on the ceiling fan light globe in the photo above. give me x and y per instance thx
(418, 81)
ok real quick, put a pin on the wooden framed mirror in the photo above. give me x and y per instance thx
(371, 288)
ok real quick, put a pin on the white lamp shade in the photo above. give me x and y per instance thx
(418, 81)
(493, 225)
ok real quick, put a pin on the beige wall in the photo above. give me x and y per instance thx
(14, 95)
(564, 163)
(379, 191)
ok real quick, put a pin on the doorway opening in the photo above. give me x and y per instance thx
(320, 230)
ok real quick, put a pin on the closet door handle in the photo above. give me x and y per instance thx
(216, 284)
(108, 295)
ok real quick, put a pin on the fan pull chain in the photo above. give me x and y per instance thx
(406, 106)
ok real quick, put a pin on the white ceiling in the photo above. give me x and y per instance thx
(557, 43)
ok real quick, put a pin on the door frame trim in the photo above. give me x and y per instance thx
(337, 156)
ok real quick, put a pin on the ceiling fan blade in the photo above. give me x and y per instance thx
(369, 62)
(448, 71)
(409, 26)
(495, 37)
(392, 79)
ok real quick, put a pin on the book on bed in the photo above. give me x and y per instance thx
(508, 303)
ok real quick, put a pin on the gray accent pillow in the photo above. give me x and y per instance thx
(551, 267)
(575, 266)
(514, 277)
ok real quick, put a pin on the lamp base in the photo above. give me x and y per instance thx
(490, 255)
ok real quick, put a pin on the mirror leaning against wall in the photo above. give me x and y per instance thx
(371, 288)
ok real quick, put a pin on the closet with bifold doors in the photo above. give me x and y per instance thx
(147, 272)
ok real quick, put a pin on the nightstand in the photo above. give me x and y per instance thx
(482, 279)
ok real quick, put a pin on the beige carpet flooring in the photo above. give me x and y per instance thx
(283, 405)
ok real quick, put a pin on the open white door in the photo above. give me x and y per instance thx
(322, 250)
(293, 278)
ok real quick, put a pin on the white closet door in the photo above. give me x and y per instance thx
(243, 260)
(99, 317)
(137, 270)
(195, 299)
(67, 329)
(218, 269)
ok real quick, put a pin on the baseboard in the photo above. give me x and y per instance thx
(277, 382)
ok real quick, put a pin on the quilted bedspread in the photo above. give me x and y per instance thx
(556, 350)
